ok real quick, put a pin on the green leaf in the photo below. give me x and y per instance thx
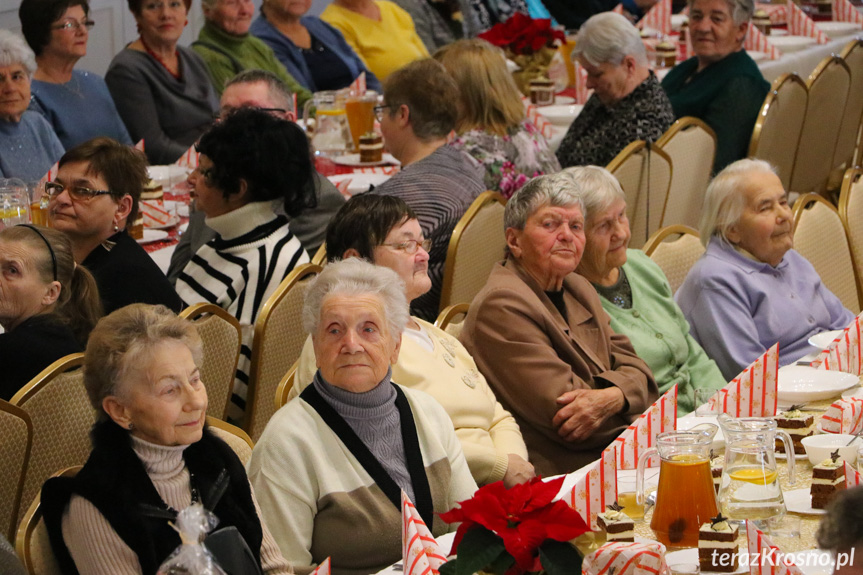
(449, 568)
(501, 565)
(478, 548)
(559, 558)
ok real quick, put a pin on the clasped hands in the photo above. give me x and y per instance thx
(584, 410)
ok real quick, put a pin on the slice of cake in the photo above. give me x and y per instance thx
(541, 91)
(828, 478)
(616, 524)
(371, 147)
(716, 463)
(798, 425)
(666, 55)
(717, 546)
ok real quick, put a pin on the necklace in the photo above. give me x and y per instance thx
(156, 57)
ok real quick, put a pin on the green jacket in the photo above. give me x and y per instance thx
(227, 55)
(660, 334)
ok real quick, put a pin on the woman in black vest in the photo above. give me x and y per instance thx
(152, 455)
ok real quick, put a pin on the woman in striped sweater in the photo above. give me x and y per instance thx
(250, 163)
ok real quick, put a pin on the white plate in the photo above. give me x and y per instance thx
(800, 501)
(838, 29)
(561, 115)
(354, 160)
(853, 392)
(677, 21)
(814, 562)
(169, 224)
(797, 456)
(151, 236)
(360, 183)
(791, 43)
(757, 56)
(825, 338)
(691, 556)
(167, 175)
(799, 384)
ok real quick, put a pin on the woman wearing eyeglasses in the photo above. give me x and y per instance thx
(57, 31)
(95, 194)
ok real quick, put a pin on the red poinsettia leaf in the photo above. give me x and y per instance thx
(454, 515)
(560, 521)
(543, 492)
(523, 541)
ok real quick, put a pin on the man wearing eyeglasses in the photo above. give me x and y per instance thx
(265, 91)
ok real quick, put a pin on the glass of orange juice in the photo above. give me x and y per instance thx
(38, 204)
(361, 115)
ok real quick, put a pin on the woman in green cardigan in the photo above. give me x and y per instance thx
(635, 293)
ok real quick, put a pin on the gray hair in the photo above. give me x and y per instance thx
(549, 190)
(741, 10)
(609, 37)
(355, 277)
(14, 50)
(278, 91)
(842, 527)
(596, 186)
(724, 201)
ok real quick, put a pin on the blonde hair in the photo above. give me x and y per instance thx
(489, 100)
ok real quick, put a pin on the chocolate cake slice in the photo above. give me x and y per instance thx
(717, 546)
(798, 425)
(828, 478)
(617, 524)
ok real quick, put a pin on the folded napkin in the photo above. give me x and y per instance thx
(49, 175)
(420, 551)
(843, 416)
(534, 114)
(358, 86)
(658, 17)
(845, 352)
(753, 392)
(140, 145)
(622, 558)
(845, 11)
(323, 568)
(799, 24)
(659, 417)
(189, 159)
(598, 488)
(765, 558)
(387, 170)
(757, 41)
(852, 476)
(582, 93)
(154, 215)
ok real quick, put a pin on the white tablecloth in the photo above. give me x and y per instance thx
(802, 62)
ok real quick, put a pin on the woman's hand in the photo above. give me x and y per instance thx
(584, 410)
(517, 471)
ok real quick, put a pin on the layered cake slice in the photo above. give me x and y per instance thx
(716, 463)
(798, 425)
(717, 546)
(828, 478)
(371, 148)
(617, 524)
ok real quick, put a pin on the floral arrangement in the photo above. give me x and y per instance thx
(515, 531)
(522, 34)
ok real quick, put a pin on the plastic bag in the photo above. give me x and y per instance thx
(192, 558)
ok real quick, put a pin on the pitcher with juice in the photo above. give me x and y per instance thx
(685, 497)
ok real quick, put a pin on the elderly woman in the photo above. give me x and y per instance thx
(48, 305)
(152, 454)
(93, 198)
(29, 146)
(841, 530)
(386, 232)
(162, 91)
(227, 47)
(249, 162)
(331, 465)
(381, 32)
(312, 51)
(721, 84)
(635, 293)
(492, 126)
(539, 334)
(57, 31)
(750, 289)
(627, 104)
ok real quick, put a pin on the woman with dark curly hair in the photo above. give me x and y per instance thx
(248, 162)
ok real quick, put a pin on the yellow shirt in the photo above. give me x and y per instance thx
(384, 46)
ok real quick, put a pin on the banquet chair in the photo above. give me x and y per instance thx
(820, 237)
(645, 173)
(851, 212)
(675, 249)
(16, 440)
(828, 87)
(285, 387)
(62, 416)
(320, 257)
(779, 124)
(451, 320)
(31, 542)
(849, 133)
(278, 341)
(237, 439)
(221, 336)
(691, 144)
(476, 244)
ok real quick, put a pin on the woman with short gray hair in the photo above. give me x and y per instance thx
(30, 146)
(750, 289)
(330, 467)
(627, 104)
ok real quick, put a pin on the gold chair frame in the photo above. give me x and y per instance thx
(15, 411)
(450, 313)
(849, 137)
(285, 387)
(320, 257)
(850, 178)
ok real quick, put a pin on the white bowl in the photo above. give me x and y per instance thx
(819, 447)
(561, 115)
(825, 338)
(838, 29)
(791, 43)
(799, 384)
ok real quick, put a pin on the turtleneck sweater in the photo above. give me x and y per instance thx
(98, 550)
(375, 419)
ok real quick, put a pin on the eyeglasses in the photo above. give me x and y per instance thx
(379, 112)
(228, 110)
(74, 25)
(158, 6)
(206, 172)
(76, 193)
(411, 246)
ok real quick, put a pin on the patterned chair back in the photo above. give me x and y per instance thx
(675, 249)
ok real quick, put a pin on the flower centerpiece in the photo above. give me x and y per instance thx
(515, 531)
(528, 42)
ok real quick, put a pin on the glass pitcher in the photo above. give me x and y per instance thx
(685, 498)
(14, 203)
(750, 478)
(332, 133)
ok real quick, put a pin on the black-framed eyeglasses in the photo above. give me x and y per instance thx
(227, 111)
(206, 172)
(411, 246)
(76, 193)
(70, 25)
(379, 112)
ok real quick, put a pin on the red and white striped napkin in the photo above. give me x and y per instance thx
(623, 558)
(753, 392)
(154, 214)
(659, 417)
(358, 86)
(658, 17)
(756, 40)
(189, 159)
(140, 145)
(421, 553)
(386, 170)
(590, 495)
(582, 93)
(534, 114)
(843, 416)
(845, 11)
(765, 558)
(323, 568)
(49, 175)
(852, 476)
(799, 24)
(845, 353)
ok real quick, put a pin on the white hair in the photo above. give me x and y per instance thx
(14, 50)
(597, 187)
(609, 37)
(549, 190)
(741, 10)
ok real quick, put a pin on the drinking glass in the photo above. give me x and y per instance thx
(14, 203)
(684, 568)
